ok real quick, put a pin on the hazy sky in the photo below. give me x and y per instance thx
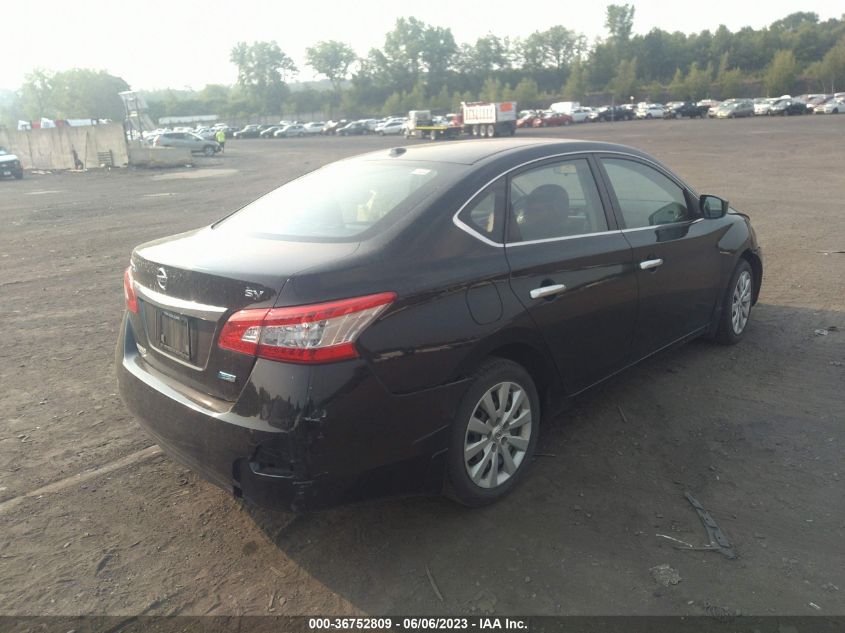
(179, 43)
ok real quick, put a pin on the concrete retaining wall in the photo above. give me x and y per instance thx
(51, 148)
(144, 156)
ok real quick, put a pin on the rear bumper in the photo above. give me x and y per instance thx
(298, 437)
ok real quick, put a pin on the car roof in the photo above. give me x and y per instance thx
(470, 152)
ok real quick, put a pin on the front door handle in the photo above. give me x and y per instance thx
(651, 264)
(547, 291)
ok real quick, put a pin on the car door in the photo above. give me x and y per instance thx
(571, 268)
(676, 253)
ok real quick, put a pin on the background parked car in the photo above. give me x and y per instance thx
(332, 127)
(735, 109)
(834, 106)
(268, 132)
(353, 129)
(10, 165)
(249, 131)
(290, 131)
(396, 126)
(196, 144)
(762, 105)
(650, 111)
(315, 127)
(580, 115)
(786, 107)
(552, 119)
(678, 109)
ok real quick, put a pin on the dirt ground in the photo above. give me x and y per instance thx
(93, 521)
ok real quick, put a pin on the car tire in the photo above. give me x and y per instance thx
(208, 150)
(19, 175)
(487, 474)
(736, 305)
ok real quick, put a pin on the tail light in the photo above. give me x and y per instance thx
(129, 291)
(319, 333)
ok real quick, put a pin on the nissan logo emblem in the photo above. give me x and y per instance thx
(161, 278)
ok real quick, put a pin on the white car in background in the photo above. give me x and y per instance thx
(834, 106)
(315, 127)
(762, 105)
(396, 126)
(580, 115)
(650, 111)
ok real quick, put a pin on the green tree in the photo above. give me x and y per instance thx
(394, 105)
(526, 93)
(439, 49)
(263, 69)
(37, 94)
(781, 74)
(624, 83)
(80, 93)
(576, 85)
(833, 66)
(619, 21)
(331, 59)
(491, 90)
(697, 82)
(678, 87)
(730, 83)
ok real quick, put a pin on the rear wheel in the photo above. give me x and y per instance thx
(736, 305)
(208, 150)
(491, 131)
(493, 435)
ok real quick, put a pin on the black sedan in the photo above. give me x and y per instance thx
(354, 128)
(687, 109)
(404, 321)
(786, 107)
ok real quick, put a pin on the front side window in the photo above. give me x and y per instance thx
(646, 197)
(554, 201)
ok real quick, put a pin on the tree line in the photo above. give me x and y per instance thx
(421, 65)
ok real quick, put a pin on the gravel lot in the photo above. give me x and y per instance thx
(755, 431)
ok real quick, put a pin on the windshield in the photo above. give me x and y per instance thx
(341, 201)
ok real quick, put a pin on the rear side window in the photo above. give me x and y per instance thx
(646, 197)
(341, 201)
(484, 213)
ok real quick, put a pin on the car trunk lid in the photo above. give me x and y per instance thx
(190, 284)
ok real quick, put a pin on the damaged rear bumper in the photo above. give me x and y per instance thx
(298, 437)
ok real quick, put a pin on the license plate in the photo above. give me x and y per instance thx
(174, 334)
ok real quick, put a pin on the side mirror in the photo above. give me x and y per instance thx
(713, 207)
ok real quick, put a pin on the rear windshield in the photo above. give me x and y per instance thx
(342, 201)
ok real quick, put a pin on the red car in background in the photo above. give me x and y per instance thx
(549, 119)
(527, 121)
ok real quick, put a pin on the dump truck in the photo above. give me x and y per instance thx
(481, 119)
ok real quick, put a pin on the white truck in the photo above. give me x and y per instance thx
(566, 107)
(489, 119)
(480, 119)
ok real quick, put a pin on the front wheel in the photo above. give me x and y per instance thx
(208, 150)
(736, 306)
(493, 435)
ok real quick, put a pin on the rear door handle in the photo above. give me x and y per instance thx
(651, 264)
(547, 291)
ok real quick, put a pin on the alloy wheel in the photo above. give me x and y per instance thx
(741, 302)
(498, 435)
